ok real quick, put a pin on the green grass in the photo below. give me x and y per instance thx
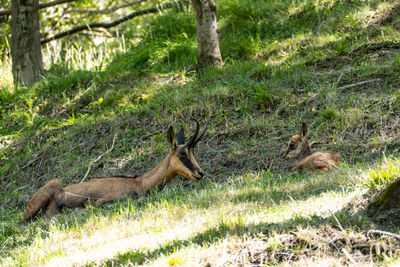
(290, 62)
(382, 175)
(182, 217)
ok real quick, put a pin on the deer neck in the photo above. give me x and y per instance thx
(160, 174)
(305, 151)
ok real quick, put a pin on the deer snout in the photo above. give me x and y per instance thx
(198, 174)
(284, 154)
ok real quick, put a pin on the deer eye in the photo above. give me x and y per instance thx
(291, 145)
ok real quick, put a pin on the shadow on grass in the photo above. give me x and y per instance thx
(339, 220)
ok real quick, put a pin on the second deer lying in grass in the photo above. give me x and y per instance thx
(181, 161)
(299, 149)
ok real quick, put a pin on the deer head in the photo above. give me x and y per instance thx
(298, 145)
(183, 159)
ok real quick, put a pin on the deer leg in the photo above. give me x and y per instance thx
(52, 209)
(88, 203)
(324, 169)
(101, 202)
(321, 166)
(95, 203)
(295, 168)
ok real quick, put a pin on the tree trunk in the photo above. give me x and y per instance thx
(386, 206)
(25, 48)
(207, 33)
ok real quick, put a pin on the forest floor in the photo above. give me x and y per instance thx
(332, 64)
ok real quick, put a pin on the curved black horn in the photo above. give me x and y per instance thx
(192, 139)
(201, 135)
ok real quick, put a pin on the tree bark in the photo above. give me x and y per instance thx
(207, 33)
(25, 47)
(386, 206)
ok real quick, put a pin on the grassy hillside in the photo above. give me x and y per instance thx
(334, 64)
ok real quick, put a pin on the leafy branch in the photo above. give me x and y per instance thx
(115, 22)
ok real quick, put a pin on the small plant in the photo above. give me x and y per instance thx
(395, 99)
(382, 175)
(264, 95)
(329, 113)
(96, 104)
(397, 61)
(31, 111)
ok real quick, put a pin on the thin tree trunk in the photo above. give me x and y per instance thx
(207, 33)
(25, 48)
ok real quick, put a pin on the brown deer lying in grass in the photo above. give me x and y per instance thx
(180, 161)
(299, 149)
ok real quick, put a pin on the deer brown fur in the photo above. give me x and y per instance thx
(299, 149)
(180, 161)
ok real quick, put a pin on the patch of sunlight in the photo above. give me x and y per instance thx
(120, 236)
(219, 253)
(367, 16)
(325, 4)
(89, 58)
(386, 6)
(383, 10)
(296, 9)
(289, 47)
(318, 5)
(363, 16)
(176, 259)
(6, 141)
(395, 263)
(6, 81)
(322, 206)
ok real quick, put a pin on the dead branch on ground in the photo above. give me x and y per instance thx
(98, 158)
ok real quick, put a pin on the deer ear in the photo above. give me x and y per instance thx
(180, 137)
(171, 138)
(303, 132)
